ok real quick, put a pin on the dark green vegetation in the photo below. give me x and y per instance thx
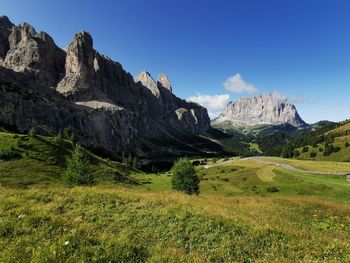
(184, 177)
(246, 211)
(37, 160)
(78, 169)
(268, 140)
(330, 143)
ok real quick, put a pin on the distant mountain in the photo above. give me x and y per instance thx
(50, 89)
(256, 113)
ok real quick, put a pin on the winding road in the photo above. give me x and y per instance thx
(292, 168)
(283, 165)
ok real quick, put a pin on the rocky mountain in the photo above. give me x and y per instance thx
(270, 109)
(46, 87)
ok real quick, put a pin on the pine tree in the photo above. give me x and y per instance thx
(78, 168)
(184, 177)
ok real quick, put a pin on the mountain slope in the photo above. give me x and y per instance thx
(330, 143)
(41, 160)
(49, 88)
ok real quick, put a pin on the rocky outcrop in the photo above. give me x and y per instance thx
(35, 55)
(5, 31)
(164, 82)
(269, 109)
(88, 92)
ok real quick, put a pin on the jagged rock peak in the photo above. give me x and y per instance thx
(268, 109)
(164, 82)
(5, 22)
(5, 31)
(146, 80)
(80, 54)
(83, 38)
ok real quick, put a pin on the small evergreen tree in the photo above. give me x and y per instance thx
(134, 164)
(67, 133)
(78, 171)
(73, 139)
(32, 132)
(184, 177)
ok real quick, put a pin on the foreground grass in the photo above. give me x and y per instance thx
(102, 224)
(236, 218)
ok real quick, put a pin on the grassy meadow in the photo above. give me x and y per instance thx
(246, 211)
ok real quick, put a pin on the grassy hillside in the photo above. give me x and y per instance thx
(26, 161)
(246, 212)
(339, 140)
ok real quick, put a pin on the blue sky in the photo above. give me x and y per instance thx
(300, 48)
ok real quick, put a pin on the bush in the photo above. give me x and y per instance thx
(78, 168)
(296, 153)
(313, 155)
(305, 149)
(73, 139)
(67, 133)
(329, 149)
(33, 132)
(184, 177)
(272, 189)
(347, 145)
(8, 155)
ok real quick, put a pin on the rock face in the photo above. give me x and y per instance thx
(269, 109)
(48, 88)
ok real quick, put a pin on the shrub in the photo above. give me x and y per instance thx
(320, 149)
(296, 153)
(33, 132)
(313, 155)
(272, 189)
(78, 168)
(8, 155)
(67, 133)
(305, 149)
(184, 177)
(73, 139)
(347, 145)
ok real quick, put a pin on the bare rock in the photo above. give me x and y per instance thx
(163, 82)
(269, 109)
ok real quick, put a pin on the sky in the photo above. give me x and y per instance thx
(216, 51)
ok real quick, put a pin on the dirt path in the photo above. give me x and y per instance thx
(292, 168)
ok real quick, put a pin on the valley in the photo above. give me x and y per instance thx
(101, 165)
(247, 209)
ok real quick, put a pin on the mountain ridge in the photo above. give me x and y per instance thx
(81, 89)
(259, 111)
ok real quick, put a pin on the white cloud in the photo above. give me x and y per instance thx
(236, 84)
(214, 103)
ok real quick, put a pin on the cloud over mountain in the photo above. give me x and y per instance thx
(236, 84)
(214, 103)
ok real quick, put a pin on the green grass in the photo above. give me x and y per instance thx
(246, 211)
(341, 156)
(100, 224)
(249, 177)
(42, 160)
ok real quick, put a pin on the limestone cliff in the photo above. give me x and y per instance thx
(269, 109)
(49, 88)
